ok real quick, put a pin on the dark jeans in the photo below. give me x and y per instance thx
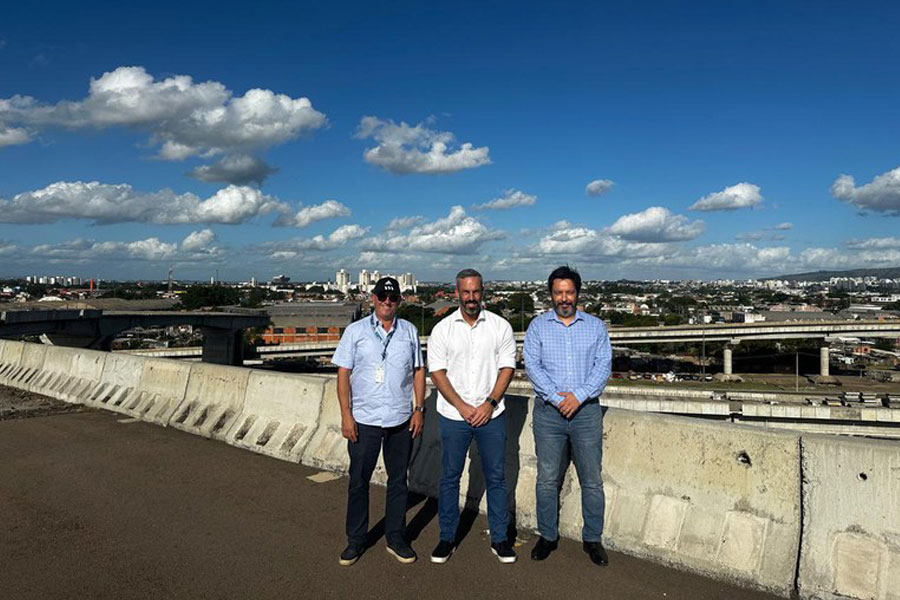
(397, 444)
(584, 432)
(456, 436)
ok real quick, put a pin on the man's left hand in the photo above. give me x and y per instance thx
(568, 405)
(416, 423)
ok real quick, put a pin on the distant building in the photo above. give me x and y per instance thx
(309, 321)
(342, 281)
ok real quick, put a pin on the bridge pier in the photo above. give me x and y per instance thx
(824, 358)
(223, 346)
(726, 361)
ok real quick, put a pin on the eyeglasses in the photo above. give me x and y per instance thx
(393, 297)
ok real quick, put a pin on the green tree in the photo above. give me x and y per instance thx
(204, 296)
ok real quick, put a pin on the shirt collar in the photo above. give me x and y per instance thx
(458, 316)
(376, 324)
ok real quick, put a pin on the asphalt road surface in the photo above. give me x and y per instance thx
(94, 505)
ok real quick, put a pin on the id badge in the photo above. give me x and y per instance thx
(379, 374)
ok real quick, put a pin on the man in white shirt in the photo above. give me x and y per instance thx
(471, 357)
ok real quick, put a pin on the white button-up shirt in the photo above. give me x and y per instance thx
(472, 356)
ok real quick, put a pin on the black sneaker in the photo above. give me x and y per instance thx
(402, 551)
(442, 552)
(351, 554)
(597, 553)
(543, 548)
(504, 551)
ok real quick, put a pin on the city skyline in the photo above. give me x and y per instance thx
(706, 141)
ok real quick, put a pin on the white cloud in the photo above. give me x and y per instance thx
(744, 258)
(510, 199)
(149, 249)
(237, 169)
(402, 223)
(784, 226)
(874, 243)
(457, 233)
(598, 187)
(293, 248)
(315, 212)
(198, 240)
(119, 203)
(655, 225)
(882, 194)
(761, 235)
(742, 195)
(586, 242)
(183, 117)
(11, 136)
(404, 149)
(834, 258)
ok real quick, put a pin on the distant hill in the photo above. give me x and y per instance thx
(889, 273)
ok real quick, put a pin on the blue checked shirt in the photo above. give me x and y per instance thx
(576, 359)
(362, 350)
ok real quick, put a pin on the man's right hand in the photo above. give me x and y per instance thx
(348, 427)
(466, 411)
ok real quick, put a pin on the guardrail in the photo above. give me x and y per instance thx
(779, 510)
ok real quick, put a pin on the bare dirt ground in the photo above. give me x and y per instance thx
(18, 404)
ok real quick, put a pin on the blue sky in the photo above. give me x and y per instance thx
(722, 139)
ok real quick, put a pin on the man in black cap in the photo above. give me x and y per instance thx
(380, 367)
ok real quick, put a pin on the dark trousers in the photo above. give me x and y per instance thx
(397, 444)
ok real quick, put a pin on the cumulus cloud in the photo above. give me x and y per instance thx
(237, 169)
(834, 258)
(402, 223)
(743, 258)
(404, 149)
(586, 242)
(875, 243)
(598, 187)
(149, 249)
(784, 226)
(315, 212)
(11, 136)
(882, 194)
(293, 248)
(119, 203)
(655, 225)
(457, 233)
(760, 235)
(198, 240)
(742, 195)
(180, 116)
(510, 199)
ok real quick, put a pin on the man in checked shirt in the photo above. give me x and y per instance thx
(568, 360)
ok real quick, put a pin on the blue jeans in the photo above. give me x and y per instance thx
(456, 437)
(584, 432)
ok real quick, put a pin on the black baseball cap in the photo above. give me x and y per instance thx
(386, 285)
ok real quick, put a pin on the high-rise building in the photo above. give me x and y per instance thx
(407, 282)
(342, 281)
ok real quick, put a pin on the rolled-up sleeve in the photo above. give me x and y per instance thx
(417, 348)
(437, 349)
(506, 349)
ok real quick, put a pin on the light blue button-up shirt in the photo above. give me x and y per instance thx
(576, 358)
(388, 403)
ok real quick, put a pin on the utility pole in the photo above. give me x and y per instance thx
(523, 312)
(797, 370)
(171, 271)
(703, 348)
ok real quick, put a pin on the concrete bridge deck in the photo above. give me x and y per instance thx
(95, 505)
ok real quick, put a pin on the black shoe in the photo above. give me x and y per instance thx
(543, 548)
(351, 554)
(597, 553)
(402, 552)
(442, 552)
(504, 551)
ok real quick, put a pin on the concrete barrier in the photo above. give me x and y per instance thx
(280, 414)
(86, 369)
(10, 357)
(722, 500)
(851, 518)
(213, 401)
(56, 368)
(29, 366)
(327, 447)
(160, 390)
(118, 382)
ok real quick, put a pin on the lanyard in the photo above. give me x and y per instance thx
(387, 340)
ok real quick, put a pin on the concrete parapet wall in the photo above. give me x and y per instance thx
(851, 519)
(722, 500)
(713, 497)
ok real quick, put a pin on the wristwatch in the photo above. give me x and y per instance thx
(420, 409)
(492, 402)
